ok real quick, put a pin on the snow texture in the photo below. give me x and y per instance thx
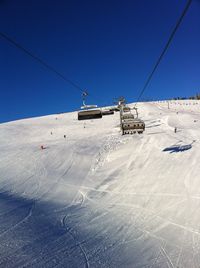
(100, 199)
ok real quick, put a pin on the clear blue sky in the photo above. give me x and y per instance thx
(106, 46)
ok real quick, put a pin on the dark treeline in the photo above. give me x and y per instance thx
(196, 97)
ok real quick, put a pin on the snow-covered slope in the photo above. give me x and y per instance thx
(99, 199)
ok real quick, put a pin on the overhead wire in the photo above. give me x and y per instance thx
(164, 49)
(49, 67)
(46, 65)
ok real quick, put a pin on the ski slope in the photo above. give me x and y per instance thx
(99, 199)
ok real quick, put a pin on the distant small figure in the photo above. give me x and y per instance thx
(175, 130)
(42, 147)
(51, 133)
(177, 112)
(56, 118)
(64, 136)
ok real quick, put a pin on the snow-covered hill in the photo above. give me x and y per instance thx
(99, 199)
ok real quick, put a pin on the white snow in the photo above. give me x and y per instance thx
(100, 199)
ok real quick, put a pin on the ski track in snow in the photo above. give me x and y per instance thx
(169, 261)
(77, 243)
(110, 145)
(109, 197)
(19, 222)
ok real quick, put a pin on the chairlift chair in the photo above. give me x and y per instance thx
(131, 123)
(89, 114)
(107, 112)
(89, 111)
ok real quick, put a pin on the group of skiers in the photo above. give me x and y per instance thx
(42, 147)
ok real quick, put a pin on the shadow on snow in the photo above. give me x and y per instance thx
(177, 148)
(30, 236)
(34, 233)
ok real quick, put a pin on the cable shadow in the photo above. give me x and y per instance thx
(151, 126)
(153, 133)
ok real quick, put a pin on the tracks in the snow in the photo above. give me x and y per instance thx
(29, 214)
(77, 243)
(109, 145)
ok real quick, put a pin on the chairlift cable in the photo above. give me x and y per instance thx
(46, 65)
(165, 48)
(19, 46)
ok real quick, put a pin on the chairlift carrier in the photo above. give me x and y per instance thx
(89, 111)
(131, 123)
